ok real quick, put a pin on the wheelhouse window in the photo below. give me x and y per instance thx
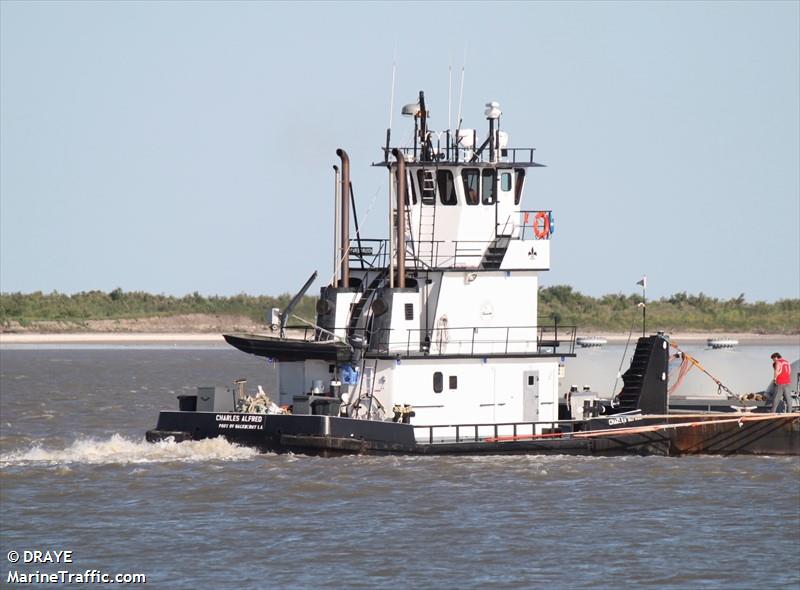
(453, 381)
(410, 183)
(447, 189)
(428, 191)
(469, 177)
(505, 181)
(489, 180)
(438, 382)
(520, 180)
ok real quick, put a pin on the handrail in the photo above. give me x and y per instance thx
(462, 155)
(528, 220)
(364, 250)
(446, 253)
(494, 430)
(474, 340)
(555, 339)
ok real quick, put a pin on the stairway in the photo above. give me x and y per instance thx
(493, 257)
(358, 308)
(645, 382)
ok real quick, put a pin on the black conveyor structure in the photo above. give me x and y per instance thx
(645, 382)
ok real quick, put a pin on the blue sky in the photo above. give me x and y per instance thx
(180, 147)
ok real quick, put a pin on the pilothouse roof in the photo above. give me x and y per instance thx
(459, 147)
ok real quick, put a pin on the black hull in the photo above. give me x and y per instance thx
(286, 349)
(328, 436)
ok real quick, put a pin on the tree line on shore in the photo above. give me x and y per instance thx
(559, 303)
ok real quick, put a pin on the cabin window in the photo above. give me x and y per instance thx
(453, 381)
(470, 176)
(489, 179)
(447, 189)
(410, 183)
(438, 382)
(409, 311)
(428, 191)
(520, 179)
(530, 379)
(505, 181)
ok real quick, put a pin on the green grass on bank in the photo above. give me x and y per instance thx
(678, 312)
(27, 308)
(616, 312)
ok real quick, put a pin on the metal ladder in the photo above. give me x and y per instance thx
(427, 218)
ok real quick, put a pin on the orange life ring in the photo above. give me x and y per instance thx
(541, 225)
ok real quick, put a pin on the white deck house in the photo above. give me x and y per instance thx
(442, 316)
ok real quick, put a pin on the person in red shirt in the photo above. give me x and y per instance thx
(782, 377)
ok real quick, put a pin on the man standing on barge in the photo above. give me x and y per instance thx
(782, 377)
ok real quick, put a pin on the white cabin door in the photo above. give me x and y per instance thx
(530, 396)
(506, 210)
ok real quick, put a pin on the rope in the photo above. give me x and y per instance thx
(741, 419)
(721, 386)
(622, 360)
(683, 370)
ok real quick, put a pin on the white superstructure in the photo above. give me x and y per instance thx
(441, 318)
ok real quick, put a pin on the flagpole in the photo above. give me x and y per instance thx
(643, 283)
(644, 308)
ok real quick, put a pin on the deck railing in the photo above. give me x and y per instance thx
(475, 341)
(458, 341)
(445, 254)
(445, 151)
(481, 433)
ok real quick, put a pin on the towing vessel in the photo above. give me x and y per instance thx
(429, 340)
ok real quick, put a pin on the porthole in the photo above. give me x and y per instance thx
(438, 382)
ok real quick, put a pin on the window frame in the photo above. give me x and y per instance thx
(413, 189)
(489, 173)
(503, 175)
(519, 182)
(443, 176)
(477, 173)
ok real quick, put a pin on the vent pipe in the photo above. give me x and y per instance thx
(335, 226)
(493, 113)
(344, 193)
(401, 218)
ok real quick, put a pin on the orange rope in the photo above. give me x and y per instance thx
(683, 370)
(649, 428)
(697, 364)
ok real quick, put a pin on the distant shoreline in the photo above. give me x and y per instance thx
(216, 338)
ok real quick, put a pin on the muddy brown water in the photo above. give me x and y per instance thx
(75, 474)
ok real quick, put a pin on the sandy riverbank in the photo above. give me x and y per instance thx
(742, 337)
(216, 338)
(208, 328)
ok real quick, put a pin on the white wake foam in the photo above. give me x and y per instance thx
(123, 451)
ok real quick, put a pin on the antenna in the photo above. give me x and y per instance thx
(461, 91)
(460, 99)
(391, 108)
(391, 94)
(460, 96)
(449, 95)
